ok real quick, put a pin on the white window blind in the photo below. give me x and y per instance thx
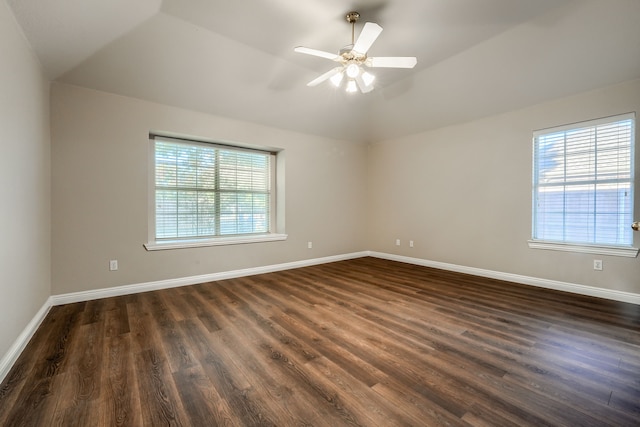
(205, 190)
(583, 182)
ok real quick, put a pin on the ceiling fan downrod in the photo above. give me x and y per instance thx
(352, 18)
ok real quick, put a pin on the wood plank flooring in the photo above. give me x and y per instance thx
(364, 342)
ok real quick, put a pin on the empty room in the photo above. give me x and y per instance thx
(327, 213)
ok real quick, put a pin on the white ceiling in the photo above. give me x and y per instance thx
(235, 58)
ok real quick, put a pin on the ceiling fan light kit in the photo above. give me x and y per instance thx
(353, 59)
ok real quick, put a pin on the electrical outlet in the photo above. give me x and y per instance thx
(397, 242)
(597, 264)
(309, 245)
(113, 265)
(410, 243)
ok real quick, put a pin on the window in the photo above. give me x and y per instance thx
(583, 186)
(206, 194)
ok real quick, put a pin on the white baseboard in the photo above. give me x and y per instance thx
(525, 280)
(194, 280)
(10, 357)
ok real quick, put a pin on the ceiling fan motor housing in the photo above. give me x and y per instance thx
(349, 55)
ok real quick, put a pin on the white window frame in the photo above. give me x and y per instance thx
(568, 246)
(276, 217)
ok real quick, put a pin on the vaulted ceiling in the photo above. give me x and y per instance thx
(235, 58)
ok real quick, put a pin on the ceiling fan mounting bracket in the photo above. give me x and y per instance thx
(353, 17)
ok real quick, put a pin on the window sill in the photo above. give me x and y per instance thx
(628, 252)
(218, 241)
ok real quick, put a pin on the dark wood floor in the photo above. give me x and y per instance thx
(360, 342)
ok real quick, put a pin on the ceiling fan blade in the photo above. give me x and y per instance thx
(325, 76)
(392, 62)
(315, 52)
(362, 85)
(369, 34)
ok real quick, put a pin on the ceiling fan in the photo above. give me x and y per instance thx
(353, 59)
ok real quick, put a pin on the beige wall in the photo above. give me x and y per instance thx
(25, 269)
(463, 194)
(99, 192)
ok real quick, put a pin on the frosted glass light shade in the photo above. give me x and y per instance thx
(368, 78)
(353, 70)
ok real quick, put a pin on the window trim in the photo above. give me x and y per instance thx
(276, 209)
(621, 251)
(214, 241)
(598, 249)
